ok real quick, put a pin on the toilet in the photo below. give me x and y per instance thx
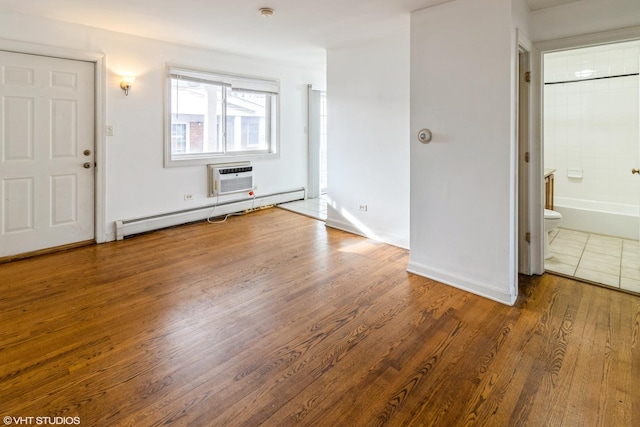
(551, 221)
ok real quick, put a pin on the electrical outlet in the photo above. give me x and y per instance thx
(362, 208)
(188, 196)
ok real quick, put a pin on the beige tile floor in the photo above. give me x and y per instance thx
(607, 260)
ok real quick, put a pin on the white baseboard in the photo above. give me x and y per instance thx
(128, 227)
(384, 238)
(466, 284)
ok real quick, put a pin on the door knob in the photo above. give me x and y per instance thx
(87, 165)
(635, 171)
(424, 136)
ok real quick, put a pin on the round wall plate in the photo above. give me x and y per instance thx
(424, 136)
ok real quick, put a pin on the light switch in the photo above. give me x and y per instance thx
(109, 130)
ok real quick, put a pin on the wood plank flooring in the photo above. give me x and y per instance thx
(272, 319)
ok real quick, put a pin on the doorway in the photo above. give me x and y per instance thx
(315, 203)
(317, 135)
(523, 160)
(591, 139)
(48, 160)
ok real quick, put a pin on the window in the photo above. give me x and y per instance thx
(179, 137)
(215, 116)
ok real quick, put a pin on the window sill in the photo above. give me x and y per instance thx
(232, 158)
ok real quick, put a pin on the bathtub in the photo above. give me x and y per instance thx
(612, 219)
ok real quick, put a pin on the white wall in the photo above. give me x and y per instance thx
(368, 133)
(137, 184)
(584, 17)
(591, 127)
(521, 17)
(463, 184)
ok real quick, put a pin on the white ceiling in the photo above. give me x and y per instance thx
(299, 31)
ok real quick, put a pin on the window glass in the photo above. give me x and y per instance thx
(213, 116)
(178, 138)
(197, 107)
(247, 121)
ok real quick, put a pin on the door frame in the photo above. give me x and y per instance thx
(526, 188)
(314, 112)
(540, 48)
(99, 62)
(313, 164)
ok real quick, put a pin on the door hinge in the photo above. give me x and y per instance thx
(527, 237)
(526, 157)
(527, 76)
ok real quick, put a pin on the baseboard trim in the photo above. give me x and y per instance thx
(45, 251)
(466, 284)
(384, 238)
(128, 227)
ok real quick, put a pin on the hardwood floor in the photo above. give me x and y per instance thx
(272, 319)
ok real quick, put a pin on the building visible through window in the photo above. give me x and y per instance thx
(214, 116)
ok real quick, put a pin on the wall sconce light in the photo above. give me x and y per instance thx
(126, 83)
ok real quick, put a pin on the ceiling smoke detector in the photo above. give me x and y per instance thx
(267, 12)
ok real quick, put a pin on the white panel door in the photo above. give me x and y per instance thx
(46, 152)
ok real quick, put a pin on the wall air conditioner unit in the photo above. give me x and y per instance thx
(230, 178)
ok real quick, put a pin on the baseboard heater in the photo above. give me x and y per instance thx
(128, 227)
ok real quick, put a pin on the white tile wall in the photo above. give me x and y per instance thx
(593, 126)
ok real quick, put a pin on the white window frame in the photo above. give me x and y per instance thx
(242, 82)
(186, 131)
